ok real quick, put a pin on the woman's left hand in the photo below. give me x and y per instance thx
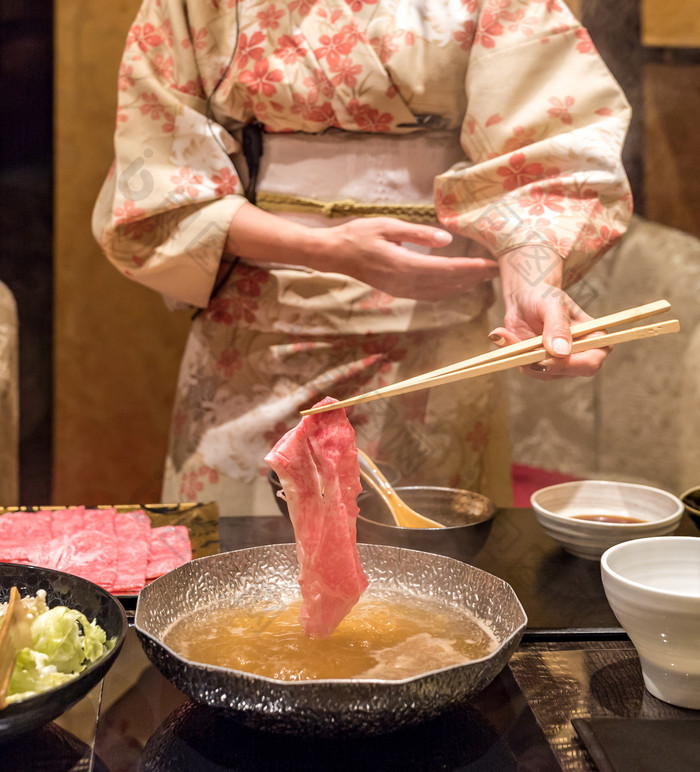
(536, 305)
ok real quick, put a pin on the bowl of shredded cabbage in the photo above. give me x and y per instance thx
(77, 630)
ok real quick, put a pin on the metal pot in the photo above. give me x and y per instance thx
(334, 706)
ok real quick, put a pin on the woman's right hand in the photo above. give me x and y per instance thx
(371, 250)
(368, 249)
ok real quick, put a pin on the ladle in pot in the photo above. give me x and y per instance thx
(403, 515)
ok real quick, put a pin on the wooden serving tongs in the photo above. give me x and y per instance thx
(15, 635)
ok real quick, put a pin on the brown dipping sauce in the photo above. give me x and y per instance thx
(608, 518)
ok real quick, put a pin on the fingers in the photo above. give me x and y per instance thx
(431, 277)
(467, 272)
(372, 251)
(586, 364)
(426, 235)
(556, 330)
(503, 337)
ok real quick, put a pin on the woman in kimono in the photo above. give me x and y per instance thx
(397, 155)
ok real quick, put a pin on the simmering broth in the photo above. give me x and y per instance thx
(385, 637)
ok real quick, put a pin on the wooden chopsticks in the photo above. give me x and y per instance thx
(523, 353)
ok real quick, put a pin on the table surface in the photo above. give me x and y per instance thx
(573, 663)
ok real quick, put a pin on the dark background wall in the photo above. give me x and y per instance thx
(26, 93)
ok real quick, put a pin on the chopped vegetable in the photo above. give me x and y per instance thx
(64, 643)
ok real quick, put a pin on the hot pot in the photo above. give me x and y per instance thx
(335, 706)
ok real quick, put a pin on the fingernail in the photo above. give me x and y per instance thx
(499, 340)
(442, 237)
(538, 368)
(561, 346)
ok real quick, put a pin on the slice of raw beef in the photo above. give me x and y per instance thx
(26, 527)
(133, 535)
(100, 519)
(170, 548)
(65, 522)
(90, 554)
(320, 476)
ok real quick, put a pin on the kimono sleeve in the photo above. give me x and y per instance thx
(163, 213)
(544, 129)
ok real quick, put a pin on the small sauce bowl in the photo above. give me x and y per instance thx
(559, 510)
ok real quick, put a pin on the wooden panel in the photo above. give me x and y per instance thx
(117, 349)
(575, 7)
(671, 23)
(671, 150)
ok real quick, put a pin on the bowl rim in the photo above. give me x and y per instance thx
(647, 525)
(607, 570)
(489, 513)
(507, 641)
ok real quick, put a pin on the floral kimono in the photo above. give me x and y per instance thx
(495, 119)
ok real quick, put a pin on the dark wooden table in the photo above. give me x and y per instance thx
(574, 663)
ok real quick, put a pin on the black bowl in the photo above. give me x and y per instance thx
(691, 500)
(389, 471)
(61, 590)
(466, 518)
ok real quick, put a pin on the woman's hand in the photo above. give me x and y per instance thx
(368, 249)
(536, 305)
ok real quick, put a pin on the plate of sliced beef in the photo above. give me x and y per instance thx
(120, 548)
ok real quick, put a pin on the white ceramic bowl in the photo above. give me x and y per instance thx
(557, 506)
(653, 587)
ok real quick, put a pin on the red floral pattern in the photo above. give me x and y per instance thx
(561, 109)
(290, 48)
(369, 118)
(125, 79)
(193, 482)
(196, 40)
(145, 36)
(228, 362)
(270, 17)
(186, 182)
(358, 65)
(519, 172)
(585, 44)
(478, 436)
(539, 200)
(226, 182)
(250, 48)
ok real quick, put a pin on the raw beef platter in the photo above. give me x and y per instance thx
(120, 551)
